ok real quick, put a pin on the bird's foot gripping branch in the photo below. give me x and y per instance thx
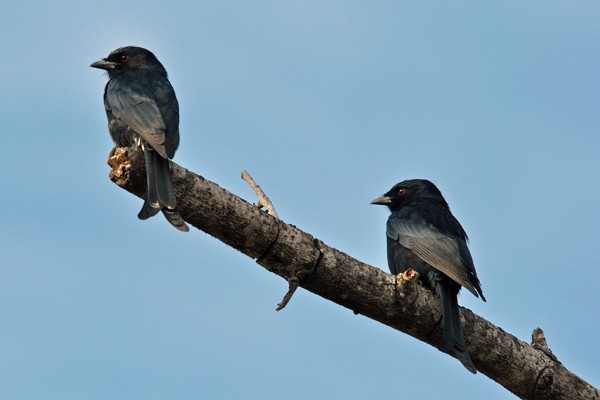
(405, 283)
(282, 249)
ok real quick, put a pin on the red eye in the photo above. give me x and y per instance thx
(401, 192)
(124, 58)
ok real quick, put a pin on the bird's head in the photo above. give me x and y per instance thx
(125, 59)
(410, 191)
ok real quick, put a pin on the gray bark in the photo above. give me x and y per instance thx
(528, 372)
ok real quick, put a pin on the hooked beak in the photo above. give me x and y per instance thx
(103, 64)
(383, 200)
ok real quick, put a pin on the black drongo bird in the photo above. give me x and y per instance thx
(142, 109)
(422, 234)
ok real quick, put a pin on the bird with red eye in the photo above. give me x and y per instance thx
(422, 234)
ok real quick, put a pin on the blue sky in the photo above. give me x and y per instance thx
(327, 104)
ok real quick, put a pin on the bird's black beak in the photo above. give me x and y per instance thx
(103, 64)
(383, 200)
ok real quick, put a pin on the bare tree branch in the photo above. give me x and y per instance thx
(293, 254)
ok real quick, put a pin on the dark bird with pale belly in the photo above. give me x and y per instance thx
(422, 234)
(142, 110)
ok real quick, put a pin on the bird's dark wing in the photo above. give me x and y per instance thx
(440, 251)
(140, 113)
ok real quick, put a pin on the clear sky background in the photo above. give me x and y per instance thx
(327, 104)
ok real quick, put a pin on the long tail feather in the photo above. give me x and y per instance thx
(173, 216)
(147, 211)
(152, 191)
(161, 193)
(454, 340)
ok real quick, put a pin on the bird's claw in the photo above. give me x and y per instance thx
(405, 282)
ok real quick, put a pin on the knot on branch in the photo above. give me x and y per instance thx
(544, 382)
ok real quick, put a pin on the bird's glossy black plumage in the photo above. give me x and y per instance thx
(422, 234)
(142, 109)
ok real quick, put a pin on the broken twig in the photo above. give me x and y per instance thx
(538, 341)
(263, 200)
(294, 282)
